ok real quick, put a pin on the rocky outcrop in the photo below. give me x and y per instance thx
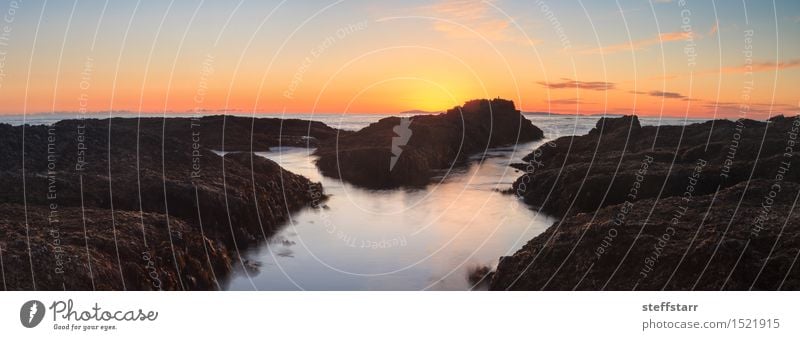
(256, 134)
(583, 173)
(91, 249)
(399, 151)
(705, 206)
(713, 244)
(140, 185)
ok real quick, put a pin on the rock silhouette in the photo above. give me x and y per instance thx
(369, 157)
(622, 187)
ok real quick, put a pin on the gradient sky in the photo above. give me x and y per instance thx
(367, 56)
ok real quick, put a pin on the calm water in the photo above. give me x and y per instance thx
(399, 239)
(403, 239)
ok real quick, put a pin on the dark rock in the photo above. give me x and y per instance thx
(129, 250)
(593, 252)
(197, 207)
(622, 187)
(479, 276)
(423, 144)
(582, 173)
(609, 125)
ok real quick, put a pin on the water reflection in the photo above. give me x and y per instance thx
(396, 239)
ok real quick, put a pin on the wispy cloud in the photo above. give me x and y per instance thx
(714, 29)
(567, 83)
(765, 66)
(639, 44)
(762, 66)
(568, 101)
(662, 94)
(478, 16)
(668, 95)
(751, 109)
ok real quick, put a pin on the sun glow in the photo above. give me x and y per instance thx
(392, 57)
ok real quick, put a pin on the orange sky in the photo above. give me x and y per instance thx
(361, 57)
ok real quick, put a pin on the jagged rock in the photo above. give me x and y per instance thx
(163, 168)
(582, 173)
(422, 145)
(721, 247)
(723, 192)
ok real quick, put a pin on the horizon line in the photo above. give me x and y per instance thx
(177, 114)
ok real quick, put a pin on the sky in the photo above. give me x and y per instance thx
(653, 58)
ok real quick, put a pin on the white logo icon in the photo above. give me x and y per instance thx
(31, 313)
(402, 135)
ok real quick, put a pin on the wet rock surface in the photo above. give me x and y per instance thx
(721, 247)
(583, 173)
(422, 145)
(130, 181)
(708, 206)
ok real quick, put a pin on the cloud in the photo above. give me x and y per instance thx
(640, 44)
(752, 110)
(478, 16)
(568, 101)
(662, 94)
(668, 95)
(584, 85)
(714, 29)
(761, 67)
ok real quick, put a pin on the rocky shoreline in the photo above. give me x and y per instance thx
(170, 204)
(143, 204)
(707, 206)
(153, 203)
